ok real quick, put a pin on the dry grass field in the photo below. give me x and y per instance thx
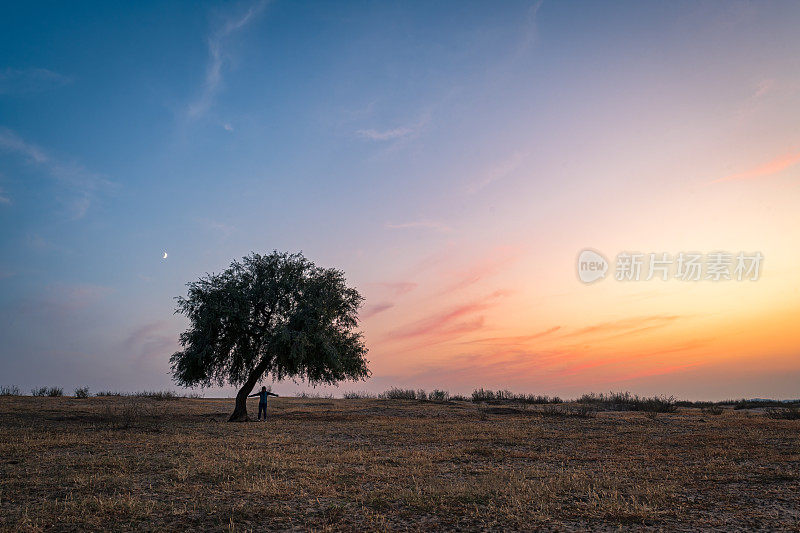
(319, 464)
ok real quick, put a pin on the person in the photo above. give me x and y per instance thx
(262, 401)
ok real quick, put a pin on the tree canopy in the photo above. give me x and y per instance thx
(277, 314)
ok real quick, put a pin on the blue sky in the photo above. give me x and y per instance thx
(374, 137)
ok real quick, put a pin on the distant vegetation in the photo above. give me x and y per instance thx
(355, 395)
(586, 406)
(48, 391)
(505, 396)
(625, 401)
(153, 395)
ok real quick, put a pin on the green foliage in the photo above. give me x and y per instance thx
(275, 314)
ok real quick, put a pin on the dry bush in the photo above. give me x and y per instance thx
(439, 395)
(157, 395)
(714, 410)
(316, 395)
(48, 391)
(396, 393)
(11, 390)
(625, 401)
(82, 392)
(356, 395)
(506, 396)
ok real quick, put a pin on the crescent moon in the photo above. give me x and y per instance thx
(165, 255)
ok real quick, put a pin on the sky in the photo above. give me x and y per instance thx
(453, 158)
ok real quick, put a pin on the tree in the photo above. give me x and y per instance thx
(276, 314)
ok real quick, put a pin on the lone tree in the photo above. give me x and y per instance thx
(276, 314)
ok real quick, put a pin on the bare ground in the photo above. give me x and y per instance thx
(137, 464)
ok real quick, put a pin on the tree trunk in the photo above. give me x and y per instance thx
(240, 411)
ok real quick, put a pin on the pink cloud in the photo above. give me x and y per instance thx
(775, 166)
(453, 322)
(498, 259)
(397, 288)
(625, 326)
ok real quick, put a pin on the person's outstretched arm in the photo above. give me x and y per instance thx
(254, 395)
(272, 394)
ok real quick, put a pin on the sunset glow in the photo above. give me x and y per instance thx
(453, 160)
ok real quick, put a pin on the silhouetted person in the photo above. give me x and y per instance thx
(262, 401)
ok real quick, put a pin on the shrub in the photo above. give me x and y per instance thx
(82, 392)
(110, 393)
(355, 395)
(304, 394)
(396, 393)
(625, 401)
(714, 410)
(439, 395)
(157, 395)
(481, 395)
(12, 390)
(505, 396)
(458, 398)
(48, 391)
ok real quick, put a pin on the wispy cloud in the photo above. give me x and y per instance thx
(374, 309)
(501, 170)
(779, 164)
(397, 287)
(399, 132)
(626, 326)
(764, 87)
(4, 199)
(385, 135)
(217, 57)
(82, 183)
(513, 341)
(30, 80)
(496, 260)
(150, 341)
(421, 224)
(219, 228)
(464, 318)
